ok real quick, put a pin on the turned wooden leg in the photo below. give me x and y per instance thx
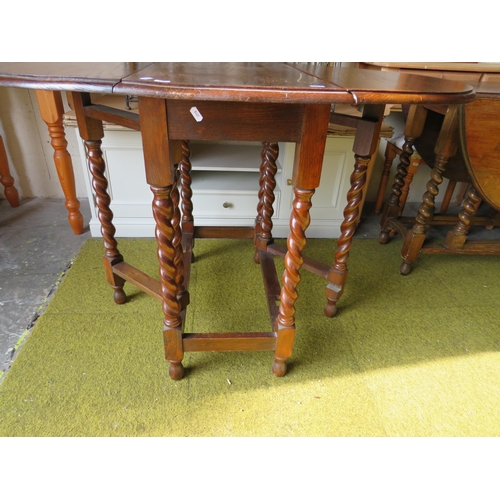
(446, 147)
(457, 237)
(177, 243)
(392, 206)
(51, 109)
(112, 256)
(258, 218)
(338, 273)
(405, 190)
(285, 323)
(6, 179)
(415, 238)
(186, 192)
(413, 129)
(168, 257)
(391, 151)
(265, 211)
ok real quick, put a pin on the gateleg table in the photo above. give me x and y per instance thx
(266, 102)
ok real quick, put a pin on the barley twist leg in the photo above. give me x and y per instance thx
(285, 323)
(415, 238)
(338, 273)
(457, 237)
(100, 185)
(165, 232)
(177, 241)
(392, 207)
(186, 192)
(266, 225)
(265, 211)
(185, 184)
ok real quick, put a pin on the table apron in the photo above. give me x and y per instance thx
(235, 121)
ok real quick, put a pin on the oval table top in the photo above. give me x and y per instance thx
(256, 82)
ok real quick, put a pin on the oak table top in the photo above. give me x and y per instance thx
(269, 82)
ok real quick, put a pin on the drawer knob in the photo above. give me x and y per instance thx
(289, 182)
(226, 204)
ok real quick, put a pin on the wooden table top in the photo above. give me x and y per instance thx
(256, 82)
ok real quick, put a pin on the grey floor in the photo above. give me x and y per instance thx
(37, 245)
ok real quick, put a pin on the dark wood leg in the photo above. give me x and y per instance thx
(186, 191)
(177, 241)
(265, 211)
(285, 324)
(186, 195)
(91, 131)
(308, 162)
(446, 147)
(160, 158)
(415, 238)
(168, 256)
(392, 207)
(390, 153)
(405, 190)
(112, 255)
(6, 179)
(414, 127)
(338, 274)
(365, 145)
(457, 237)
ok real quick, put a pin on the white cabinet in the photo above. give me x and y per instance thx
(225, 184)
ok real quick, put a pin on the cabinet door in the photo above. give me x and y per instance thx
(128, 189)
(330, 198)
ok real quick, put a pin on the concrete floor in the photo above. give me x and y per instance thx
(37, 245)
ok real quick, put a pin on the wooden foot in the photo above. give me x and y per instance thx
(330, 309)
(279, 367)
(405, 268)
(175, 370)
(383, 237)
(119, 295)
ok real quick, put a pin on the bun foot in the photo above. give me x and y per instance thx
(330, 309)
(119, 296)
(176, 370)
(279, 367)
(405, 268)
(256, 258)
(383, 238)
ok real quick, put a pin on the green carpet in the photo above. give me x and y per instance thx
(405, 356)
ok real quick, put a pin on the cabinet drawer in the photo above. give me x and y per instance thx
(232, 204)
